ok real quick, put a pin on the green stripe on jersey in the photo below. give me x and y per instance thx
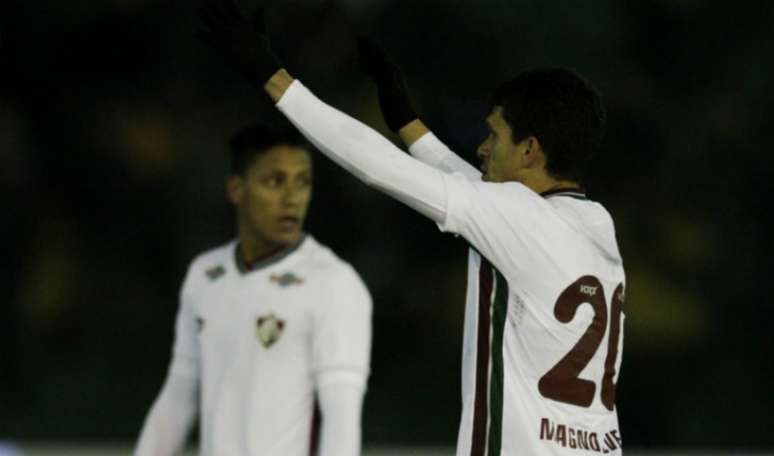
(499, 313)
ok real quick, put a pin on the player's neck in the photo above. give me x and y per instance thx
(542, 184)
(253, 250)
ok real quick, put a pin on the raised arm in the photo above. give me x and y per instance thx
(353, 145)
(363, 151)
(360, 149)
(425, 146)
(400, 115)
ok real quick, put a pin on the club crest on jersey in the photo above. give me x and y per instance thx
(287, 279)
(269, 329)
(214, 273)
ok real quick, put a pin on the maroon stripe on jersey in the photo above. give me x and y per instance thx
(480, 410)
(314, 432)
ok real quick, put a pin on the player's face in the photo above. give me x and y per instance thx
(273, 195)
(501, 158)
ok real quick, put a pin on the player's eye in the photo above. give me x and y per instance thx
(304, 181)
(272, 180)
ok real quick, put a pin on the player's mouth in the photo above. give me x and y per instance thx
(289, 222)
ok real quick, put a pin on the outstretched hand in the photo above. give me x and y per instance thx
(243, 44)
(390, 83)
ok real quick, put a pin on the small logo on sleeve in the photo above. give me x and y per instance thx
(215, 273)
(269, 329)
(287, 279)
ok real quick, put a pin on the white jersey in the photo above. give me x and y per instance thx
(544, 315)
(261, 340)
(543, 322)
(543, 326)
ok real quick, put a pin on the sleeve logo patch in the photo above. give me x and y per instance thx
(287, 279)
(269, 329)
(215, 273)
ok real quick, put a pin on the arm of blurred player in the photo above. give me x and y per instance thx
(172, 415)
(341, 347)
(170, 419)
(399, 113)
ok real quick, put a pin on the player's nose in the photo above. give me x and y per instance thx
(483, 150)
(292, 196)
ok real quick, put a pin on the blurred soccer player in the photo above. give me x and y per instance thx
(543, 325)
(266, 323)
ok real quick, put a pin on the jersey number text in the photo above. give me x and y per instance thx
(562, 383)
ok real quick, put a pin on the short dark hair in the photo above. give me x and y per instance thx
(562, 110)
(253, 139)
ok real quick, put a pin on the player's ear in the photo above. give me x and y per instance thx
(234, 189)
(533, 152)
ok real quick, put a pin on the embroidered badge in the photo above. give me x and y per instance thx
(199, 324)
(287, 279)
(269, 329)
(215, 272)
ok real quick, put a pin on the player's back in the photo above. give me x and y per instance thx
(562, 339)
(543, 328)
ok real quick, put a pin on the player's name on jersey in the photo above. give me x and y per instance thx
(581, 439)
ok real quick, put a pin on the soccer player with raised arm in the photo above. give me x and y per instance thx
(268, 324)
(544, 316)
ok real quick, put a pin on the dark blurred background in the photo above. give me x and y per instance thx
(113, 121)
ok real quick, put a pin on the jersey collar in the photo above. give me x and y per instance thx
(245, 268)
(572, 192)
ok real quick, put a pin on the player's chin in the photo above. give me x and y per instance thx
(287, 236)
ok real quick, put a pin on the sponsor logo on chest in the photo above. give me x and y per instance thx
(286, 279)
(214, 273)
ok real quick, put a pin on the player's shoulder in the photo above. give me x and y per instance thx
(216, 260)
(582, 211)
(323, 261)
(337, 281)
(509, 192)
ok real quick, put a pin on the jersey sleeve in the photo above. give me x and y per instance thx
(429, 149)
(507, 223)
(185, 349)
(170, 419)
(365, 153)
(341, 406)
(172, 414)
(341, 336)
